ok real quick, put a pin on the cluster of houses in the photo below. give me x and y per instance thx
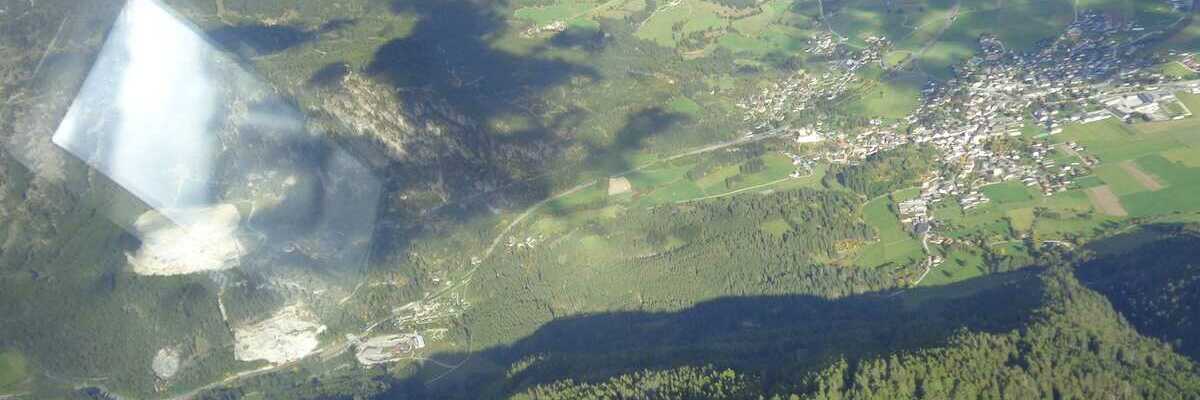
(774, 105)
(804, 166)
(1191, 63)
(875, 139)
(1087, 74)
(1181, 5)
(784, 101)
(824, 44)
(530, 242)
(1003, 93)
(913, 212)
(553, 27)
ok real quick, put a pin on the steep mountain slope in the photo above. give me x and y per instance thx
(1073, 345)
(1156, 286)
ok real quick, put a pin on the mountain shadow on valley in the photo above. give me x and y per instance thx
(447, 69)
(254, 40)
(1154, 281)
(778, 337)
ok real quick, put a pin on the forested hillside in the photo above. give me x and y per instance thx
(1073, 345)
(888, 171)
(1033, 333)
(619, 199)
(1156, 286)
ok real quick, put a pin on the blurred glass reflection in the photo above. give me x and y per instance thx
(226, 165)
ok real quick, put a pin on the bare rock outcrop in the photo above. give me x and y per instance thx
(204, 240)
(287, 336)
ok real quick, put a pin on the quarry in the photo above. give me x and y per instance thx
(166, 363)
(289, 335)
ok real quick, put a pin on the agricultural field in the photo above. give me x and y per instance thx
(1067, 215)
(1178, 70)
(1007, 192)
(1118, 179)
(668, 182)
(1149, 169)
(671, 23)
(959, 266)
(1185, 156)
(1185, 131)
(1021, 219)
(12, 371)
(1086, 182)
(941, 33)
(1180, 194)
(894, 244)
(1113, 141)
(567, 12)
(928, 36)
(672, 185)
(1107, 202)
(888, 97)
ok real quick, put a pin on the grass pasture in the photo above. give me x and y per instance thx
(13, 370)
(959, 266)
(684, 105)
(1122, 7)
(1186, 156)
(879, 215)
(776, 227)
(1180, 195)
(563, 11)
(1117, 179)
(668, 183)
(1086, 182)
(1062, 215)
(671, 22)
(1007, 192)
(894, 244)
(756, 24)
(678, 190)
(890, 97)
(1176, 69)
(1021, 219)
(1113, 141)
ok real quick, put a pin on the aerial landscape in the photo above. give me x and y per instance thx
(601, 199)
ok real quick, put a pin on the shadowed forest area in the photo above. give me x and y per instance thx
(775, 336)
(1154, 283)
(987, 336)
(595, 199)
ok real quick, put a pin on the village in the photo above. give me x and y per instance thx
(1088, 74)
(993, 121)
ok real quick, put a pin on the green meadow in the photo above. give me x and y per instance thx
(13, 370)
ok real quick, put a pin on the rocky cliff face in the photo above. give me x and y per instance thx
(44, 51)
(417, 141)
